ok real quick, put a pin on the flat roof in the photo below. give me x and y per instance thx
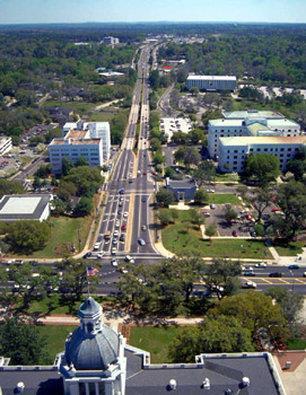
(23, 207)
(75, 134)
(211, 77)
(256, 140)
(279, 123)
(68, 142)
(256, 127)
(252, 114)
(225, 122)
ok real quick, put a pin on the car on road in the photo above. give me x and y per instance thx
(249, 285)
(121, 191)
(128, 258)
(99, 255)
(141, 242)
(143, 227)
(125, 214)
(294, 266)
(249, 273)
(276, 274)
(261, 264)
(143, 199)
(87, 255)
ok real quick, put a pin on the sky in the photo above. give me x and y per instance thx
(70, 11)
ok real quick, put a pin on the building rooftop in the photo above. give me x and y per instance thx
(252, 114)
(211, 77)
(226, 122)
(181, 184)
(261, 140)
(76, 134)
(23, 207)
(84, 141)
(280, 123)
(256, 127)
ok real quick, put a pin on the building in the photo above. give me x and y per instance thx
(182, 189)
(5, 145)
(97, 361)
(212, 82)
(100, 130)
(25, 207)
(75, 145)
(110, 40)
(173, 125)
(249, 123)
(233, 151)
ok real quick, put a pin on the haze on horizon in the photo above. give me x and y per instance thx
(78, 11)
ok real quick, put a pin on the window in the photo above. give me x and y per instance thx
(266, 149)
(92, 388)
(82, 388)
(235, 157)
(101, 388)
(282, 149)
(258, 150)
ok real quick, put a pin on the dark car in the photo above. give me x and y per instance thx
(276, 274)
(122, 237)
(294, 266)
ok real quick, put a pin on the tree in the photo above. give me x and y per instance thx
(221, 276)
(165, 217)
(23, 343)
(196, 136)
(66, 190)
(164, 197)
(179, 138)
(263, 168)
(87, 180)
(158, 158)
(261, 199)
(195, 217)
(155, 144)
(81, 162)
(67, 165)
(230, 214)
(297, 168)
(205, 173)
(215, 335)
(187, 155)
(210, 230)
(257, 313)
(27, 236)
(201, 196)
(8, 187)
(291, 304)
(84, 207)
(43, 171)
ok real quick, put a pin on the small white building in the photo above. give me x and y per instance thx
(171, 126)
(5, 145)
(110, 40)
(233, 151)
(261, 123)
(25, 207)
(212, 82)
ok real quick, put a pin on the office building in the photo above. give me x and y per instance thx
(100, 130)
(249, 123)
(97, 361)
(212, 82)
(5, 145)
(233, 151)
(110, 40)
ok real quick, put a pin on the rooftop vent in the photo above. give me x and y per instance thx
(206, 383)
(245, 382)
(172, 384)
(228, 391)
(20, 387)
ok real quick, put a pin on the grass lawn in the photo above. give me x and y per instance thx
(296, 344)
(222, 198)
(227, 177)
(291, 249)
(184, 238)
(55, 336)
(154, 340)
(64, 235)
(79, 107)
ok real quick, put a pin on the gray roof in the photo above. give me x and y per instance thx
(89, 308)
(92, 352)
(20, 201)
(181, 184)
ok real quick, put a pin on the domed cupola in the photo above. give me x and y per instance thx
(93, 345)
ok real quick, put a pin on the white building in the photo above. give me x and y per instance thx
(5, 145)
(173, 125)
(35, 207)
(110, 40)
(233, 151)
(76, 144)
(100, 130)
(212, 82)
(252, 123)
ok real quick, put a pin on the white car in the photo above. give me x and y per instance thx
(117, 225)
(249, 285)
(116, 233)
(125, 214)
(129, 259)
(114, 263)
(213, 206)
(114, 250)
(261, 264)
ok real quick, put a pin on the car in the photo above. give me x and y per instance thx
(212, 206)
(119, 212)
(114, 250)
(249, 284)
(249, 273)
(106, 242)
(96, 246)
(143, 227)
(275, 274)
(115, 241)
(304, 274)
(117, 224)
(261, 264)
(99, 255)
(121, 191)
(123, 227)
(114, 263)
(87, 255)
(122, 237)
(130, 259)
(125, 214)
(234, 233)
(294, 266)
(141, 242)
(116, 233)
(143, 199)
(144, 173)
(120, 204)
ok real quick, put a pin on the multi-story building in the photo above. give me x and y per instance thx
(212, 82)
(76, 144)
(5, 145)
(249, 123)
(233, 151)
(100, 130)
(110, 40)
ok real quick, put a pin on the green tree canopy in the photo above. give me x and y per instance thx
(263, 168)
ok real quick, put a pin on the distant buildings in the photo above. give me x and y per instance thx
(25, 207)
(110, 40)
(90, 140)
(233, 151)
(212, 82)
(173, 125)
(5, 145)
(249, 123)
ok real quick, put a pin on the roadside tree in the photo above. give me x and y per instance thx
(164, 197)
(262, 168)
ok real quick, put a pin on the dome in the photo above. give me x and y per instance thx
(89, 308)
(92, 352)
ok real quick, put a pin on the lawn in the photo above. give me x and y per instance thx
(296, 344)
(184, 238)
(79, 107)
(65, 233)
(292, 249)
(222, 198)
(55, 336)
(227, 177)
(154, 340)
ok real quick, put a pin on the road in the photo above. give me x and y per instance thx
(29, 170)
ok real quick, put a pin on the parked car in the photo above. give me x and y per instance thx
(261, 264)
(143, 227)
(276, 274)
(114, 262)
(249, 273)
(294, 266)
(213, 206)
